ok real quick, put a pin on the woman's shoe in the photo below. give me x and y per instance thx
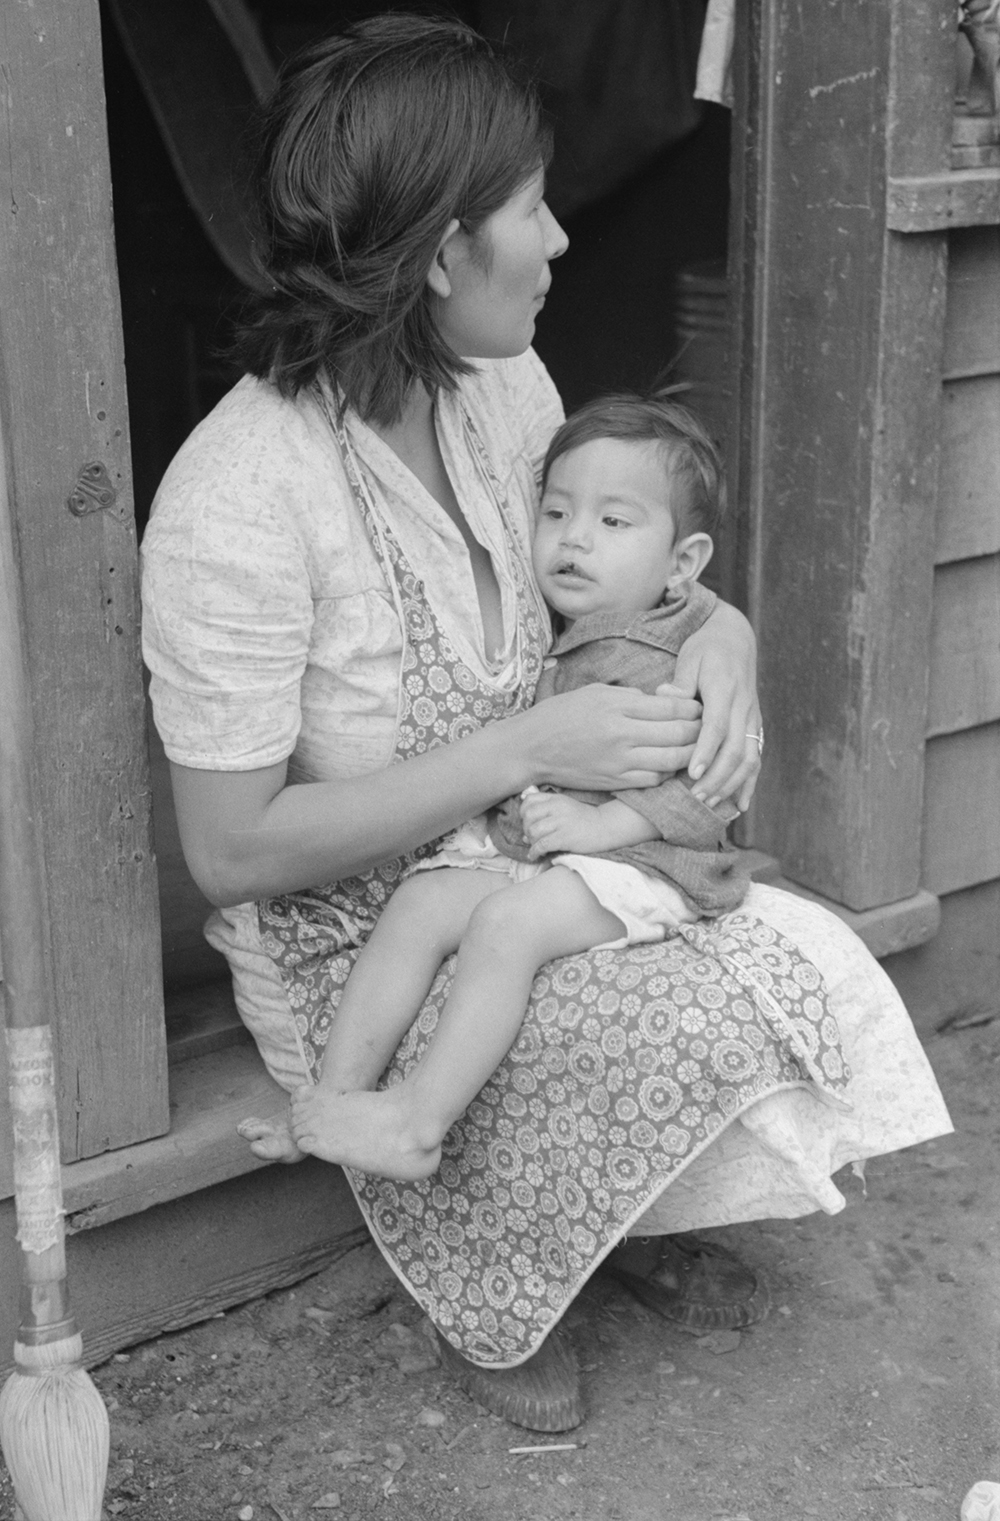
(691, 1282)
(542, 1393)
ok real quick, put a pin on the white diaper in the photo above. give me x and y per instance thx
(469, 848)
(648, 907)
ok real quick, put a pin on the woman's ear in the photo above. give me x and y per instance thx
(689, 558)
(439, 276)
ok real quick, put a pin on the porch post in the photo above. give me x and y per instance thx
(62, 391)
(839, 335)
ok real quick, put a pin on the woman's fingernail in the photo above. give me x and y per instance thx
(697, 770)
(698, 794)
(713, 802)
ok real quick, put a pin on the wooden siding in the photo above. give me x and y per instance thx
(969, 506)
(972, 322)
(961, 843)
(965, 647)
(63, 394)
(962, 812)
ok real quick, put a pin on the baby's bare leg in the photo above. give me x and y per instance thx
(398, 1132)
(421, 925)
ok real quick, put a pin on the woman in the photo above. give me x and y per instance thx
(336, 579)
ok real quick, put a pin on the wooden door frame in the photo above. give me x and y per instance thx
(62, 393)
(838, 340)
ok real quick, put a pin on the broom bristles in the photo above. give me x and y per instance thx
(54, 1433)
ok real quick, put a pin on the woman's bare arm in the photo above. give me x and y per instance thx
(718, 663)
(246, 834)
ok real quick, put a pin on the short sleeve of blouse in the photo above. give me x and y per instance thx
(227, 602)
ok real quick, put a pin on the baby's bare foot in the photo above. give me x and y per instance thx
(271, 1140)
(373, 1132)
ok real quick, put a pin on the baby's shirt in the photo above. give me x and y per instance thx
(641, 650)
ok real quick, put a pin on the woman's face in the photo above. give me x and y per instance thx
(497, 282)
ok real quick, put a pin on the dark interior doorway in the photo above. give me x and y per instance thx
(611, 320)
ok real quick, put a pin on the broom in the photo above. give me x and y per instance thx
(53, 1424)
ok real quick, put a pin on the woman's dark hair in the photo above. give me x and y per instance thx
(374, 140)
(693, 466)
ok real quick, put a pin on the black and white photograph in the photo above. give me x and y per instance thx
(500, 760)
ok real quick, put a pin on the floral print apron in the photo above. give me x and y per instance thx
(628, 1064)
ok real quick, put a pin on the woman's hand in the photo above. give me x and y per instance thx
(719, 664)
(606, 738)
(247, 834)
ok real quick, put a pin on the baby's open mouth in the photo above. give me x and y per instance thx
(570, 570)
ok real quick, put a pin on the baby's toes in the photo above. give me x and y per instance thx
(302, 1099)
(252, 1129)
(269, 1140)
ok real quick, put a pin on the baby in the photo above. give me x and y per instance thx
(631, 492)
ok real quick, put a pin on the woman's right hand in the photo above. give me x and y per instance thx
(605, 738)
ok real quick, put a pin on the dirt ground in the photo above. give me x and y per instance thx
(871, 1389)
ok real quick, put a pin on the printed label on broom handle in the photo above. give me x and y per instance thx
(37, 1182)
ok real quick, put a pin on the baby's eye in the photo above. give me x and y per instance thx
(552, 512)
(614, 522)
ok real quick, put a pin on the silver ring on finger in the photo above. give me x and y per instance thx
(758, 739)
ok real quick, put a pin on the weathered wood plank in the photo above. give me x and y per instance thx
(64, 395)
(208, 1098)
(937, 202)
(839, 400)
(202, 1019)
(972, 324)
(965, 647)
(961, 813)
(186, 1259)
(960, 968)
(968, 518)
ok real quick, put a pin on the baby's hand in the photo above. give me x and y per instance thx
(553, 823)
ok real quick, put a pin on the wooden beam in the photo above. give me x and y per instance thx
(209, 1097)
(185, 1260)
(63, 393)
(839, 347)
(937, 202)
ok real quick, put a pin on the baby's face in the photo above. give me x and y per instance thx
(605, 535)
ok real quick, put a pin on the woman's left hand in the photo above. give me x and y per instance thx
(718, 663)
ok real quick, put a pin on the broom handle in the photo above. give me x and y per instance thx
(27, 986)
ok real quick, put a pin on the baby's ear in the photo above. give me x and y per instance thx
(690, 556)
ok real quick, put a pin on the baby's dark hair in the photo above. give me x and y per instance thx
(694, 473)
